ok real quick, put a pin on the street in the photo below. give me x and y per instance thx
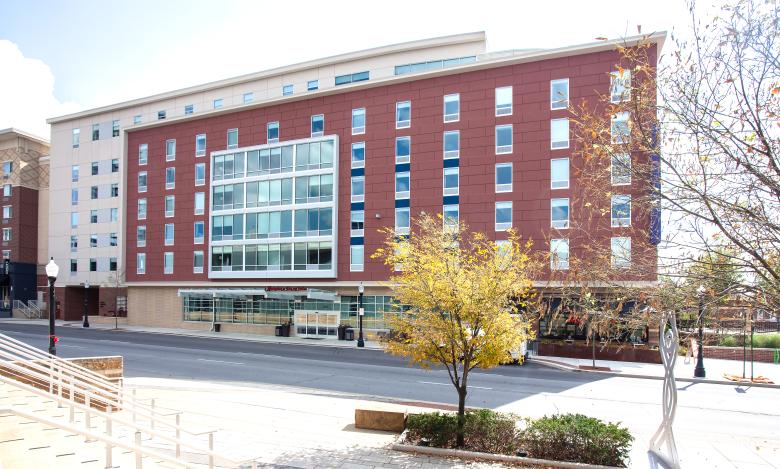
(726, 426)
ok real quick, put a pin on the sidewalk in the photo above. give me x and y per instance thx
(715, 368)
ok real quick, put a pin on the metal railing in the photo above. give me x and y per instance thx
(30, 311)
(65, 382)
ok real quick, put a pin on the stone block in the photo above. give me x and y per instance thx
(384, 420)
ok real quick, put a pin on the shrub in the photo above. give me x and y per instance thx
(486, 431)
(577, 438)
(728, 341)
(766, 340)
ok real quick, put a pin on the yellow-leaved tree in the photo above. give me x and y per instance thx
(467, 299)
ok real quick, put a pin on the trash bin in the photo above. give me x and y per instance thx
(286, 330)
(341, 331)
(278, 331)
(217, 327)
(349, 334)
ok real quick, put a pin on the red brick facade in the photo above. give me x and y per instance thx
(588, 76)
(23, 223)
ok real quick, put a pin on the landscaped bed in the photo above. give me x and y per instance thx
(567, 437)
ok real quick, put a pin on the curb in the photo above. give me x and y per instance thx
(473, 455)
(566, 366)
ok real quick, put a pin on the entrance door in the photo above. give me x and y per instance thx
(319, 324)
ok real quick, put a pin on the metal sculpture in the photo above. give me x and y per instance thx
(663, 449)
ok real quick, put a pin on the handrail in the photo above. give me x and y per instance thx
(109, 440)
(91, 397)
(122, 400)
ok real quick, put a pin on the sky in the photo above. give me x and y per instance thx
(58, 56)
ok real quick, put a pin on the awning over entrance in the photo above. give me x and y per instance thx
(280, 294)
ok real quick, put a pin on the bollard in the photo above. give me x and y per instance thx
(138, 463)
(109, 463)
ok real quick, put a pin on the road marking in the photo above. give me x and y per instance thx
(71, 346)
(219, 361)
(449, 384)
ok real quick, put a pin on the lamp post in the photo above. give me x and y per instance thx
(699, 372)
(361, 311)
(52, 270)
(86, 304)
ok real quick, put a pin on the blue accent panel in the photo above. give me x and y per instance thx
(452, 163)
(401, 203)
(356, 241)
(358, 171)
(451, 200)
(400, 168)
(357, 206)
(655, 180)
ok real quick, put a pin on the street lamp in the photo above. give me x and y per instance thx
(360, 342)
(86, 304)
(699, 372)
(52, 270)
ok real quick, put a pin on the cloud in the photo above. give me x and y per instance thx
(27, 92)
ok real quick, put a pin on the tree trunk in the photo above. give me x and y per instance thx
(461, 416)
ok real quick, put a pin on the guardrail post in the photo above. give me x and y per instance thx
(211, 450)
(87, 414)
(134, 404)
(72, 412)
(109, 463)
(59, 386)
(138, 463)
(178, 436)
(153, 416)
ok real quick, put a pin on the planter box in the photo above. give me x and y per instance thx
(621, 354)
(765, 355)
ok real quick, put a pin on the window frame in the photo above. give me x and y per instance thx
(145, 175)
(359, 130)
(553, 101)
(555, 184)
(195, 268)
(503, 205)
(140, 263)
(170, 156)
(560, 224)
(403, 195)
(140, 243)
(615, 137)
(357, 163)
(403, 124)
(504, 187)
(316, 86)
(170, 170)
(555, 262)
(230, 133)
(615, 79)
(166, 228)
(168, 269)
(143, 154)
(268, 127)
(450, 154)
(288, 90)
(217, 103)
(402, 230)
(504, 149)
(558, 144)
(612, 176)
(357, 232)
(195, 238)
(400, 159)
(142, 202)
(357, 197)
(198, 152)
(618, 262)
(451, 117)
(503, 109)
(201, 181)
(449, 172)
(248, 97)
(315, 118)
(170, 213)
(202, 209)
(353, 267)
(618, 222)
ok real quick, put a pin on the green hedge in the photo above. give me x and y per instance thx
(759, 340)
(485, 431)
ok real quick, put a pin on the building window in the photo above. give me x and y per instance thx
(503, 216)
(200, 174)
(200, 145)
(620, 86)
(559, 173)
(358, 154)
(559, 133)
(312, 85)
(114, 214)
(170, 150)
(356, 222)
(137, 120)
(451, 215)
(168, 263)
(8, 167)
(115, 128)
(93, 241)
(112, 264)
(504, 101)
(6, 234)
(115, 189)
(451, 181)
(272, 132)
(403, 148)
(74, 266)
(95, 168)
(356, 258)
(403, 114)
(189, 109)
(197, 262)
(317, 125)
(402, 221)
(249, 97)
(93, 264)
(358, 121)
(358, 188)
(74, 219)
(198, 231)
(433, 65)
(74, 196)
(452, 144)
(504, 177)
(169, 234)
(140, 263)
(142, 181)
(287, 90)
(74, 243)
(170, 178)
(200, 203)
(218, 103)
(160, 115)
(559, 213)
(503, 139)
(140, 236)
(142, 209)
(559, 254)
(402, 185)
(170, 205)
(95, 132)
(452, 107)
(621, 252)
(93, 216)
(232, 138)
(115, 165)
(620, 169)
(621, 210)
(351, 78)
(559, 94)
(74, 173)
(76, 137)
(143, 154)
(620, 128)
(7, 211)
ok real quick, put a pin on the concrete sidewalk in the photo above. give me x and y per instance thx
(683, 371)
